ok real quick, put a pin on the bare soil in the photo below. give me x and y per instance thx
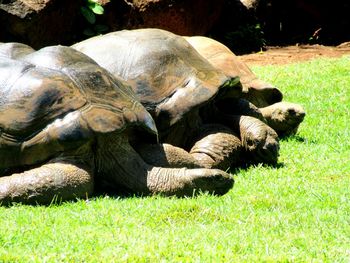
(294, 54)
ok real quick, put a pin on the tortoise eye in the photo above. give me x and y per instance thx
(291, 112)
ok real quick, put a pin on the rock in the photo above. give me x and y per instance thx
(184, 17)
(250, 4)
(242, 25)
(187, 17)
(39, 23)
(238, 27)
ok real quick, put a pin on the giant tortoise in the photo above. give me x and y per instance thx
(283, 117)
(183, 92)
(66, 124)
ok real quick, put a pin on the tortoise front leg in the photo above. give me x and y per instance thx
(41, 185)
(260, 142)
(126, 169)
(166, 155)
(215, 146)
(187, 182)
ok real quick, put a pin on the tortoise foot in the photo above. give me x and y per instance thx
(260, 141)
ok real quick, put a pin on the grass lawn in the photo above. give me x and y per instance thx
(299, 212)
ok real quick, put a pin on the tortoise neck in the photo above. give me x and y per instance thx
(119, 164)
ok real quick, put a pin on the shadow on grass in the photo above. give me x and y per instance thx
(298, 138)
(236, 170)
(104, 190)
(118, 194)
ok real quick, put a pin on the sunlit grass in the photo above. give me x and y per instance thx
(299, 212)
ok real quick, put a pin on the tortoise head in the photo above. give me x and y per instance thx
(198, 92)
(261, 93)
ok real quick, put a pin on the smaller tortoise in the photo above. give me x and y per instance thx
(14, 50)
(283, 117)
(67, 124)
(183, 92)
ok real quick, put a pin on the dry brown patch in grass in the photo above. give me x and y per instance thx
(294, 54)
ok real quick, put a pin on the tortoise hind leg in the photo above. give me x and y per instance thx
(41, 185)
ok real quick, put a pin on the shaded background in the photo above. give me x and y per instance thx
(243, 25)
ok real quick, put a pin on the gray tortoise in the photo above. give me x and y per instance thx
(184, 93)
(283, 117)
(66, 124)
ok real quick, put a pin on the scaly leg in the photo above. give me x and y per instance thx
(41, 185)
(125, 168)
(216, 146)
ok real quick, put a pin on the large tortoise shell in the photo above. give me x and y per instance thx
(56, 99)
(168, 75)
